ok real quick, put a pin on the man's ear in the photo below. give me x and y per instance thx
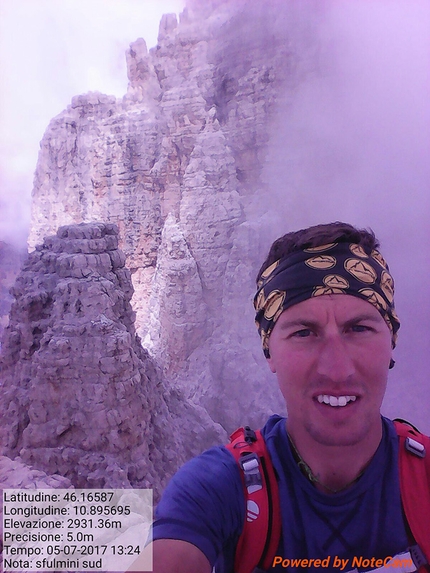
(271, 364)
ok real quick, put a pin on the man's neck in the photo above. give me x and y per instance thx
(333, 468)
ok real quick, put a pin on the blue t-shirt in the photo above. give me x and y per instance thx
(204, 505)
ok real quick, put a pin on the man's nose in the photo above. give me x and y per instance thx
(334, 360)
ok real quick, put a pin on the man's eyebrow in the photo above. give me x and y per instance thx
(298, 322)
(372, 317)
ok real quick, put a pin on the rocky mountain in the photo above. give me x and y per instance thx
(176, 165)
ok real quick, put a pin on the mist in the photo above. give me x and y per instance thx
(51, 51)
(352, 144)
(349, 141)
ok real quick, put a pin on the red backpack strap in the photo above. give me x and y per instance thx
(260, 536)
(414, 469)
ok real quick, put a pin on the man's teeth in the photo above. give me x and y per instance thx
(335, 400)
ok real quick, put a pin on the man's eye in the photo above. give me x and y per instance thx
(360, 328)
(303, 333)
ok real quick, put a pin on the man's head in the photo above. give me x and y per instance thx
(326, 317)
(334, 258)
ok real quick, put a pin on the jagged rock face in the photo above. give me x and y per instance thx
(81, 397)
(176, 166)
(11, 259)
(184, 318)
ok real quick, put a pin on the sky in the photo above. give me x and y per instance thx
(50, 51)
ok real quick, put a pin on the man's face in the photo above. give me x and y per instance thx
(335, 349)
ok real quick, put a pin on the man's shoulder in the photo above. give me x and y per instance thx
(212, 464)
(414, 470)
(403, 427)
(217, 464)
(274, 427)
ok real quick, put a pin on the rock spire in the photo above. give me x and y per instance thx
(81, 397)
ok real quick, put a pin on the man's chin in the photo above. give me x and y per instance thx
(340, 435)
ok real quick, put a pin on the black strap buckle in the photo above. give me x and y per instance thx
(249, 435)
(418, 556)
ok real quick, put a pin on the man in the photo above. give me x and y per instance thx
(326, 317)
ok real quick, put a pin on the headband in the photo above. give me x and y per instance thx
(335, 268)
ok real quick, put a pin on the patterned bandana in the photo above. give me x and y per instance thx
(336, 268)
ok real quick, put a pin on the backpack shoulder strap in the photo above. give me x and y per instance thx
(260, 536)
(414, 470)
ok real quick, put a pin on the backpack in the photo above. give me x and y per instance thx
(261, 533)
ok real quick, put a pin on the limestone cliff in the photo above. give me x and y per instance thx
(176, 165)
(80, 396)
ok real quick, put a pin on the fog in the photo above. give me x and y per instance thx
(353, 144)
(51, 51)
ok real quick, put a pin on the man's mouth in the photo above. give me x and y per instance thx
(335, 401)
